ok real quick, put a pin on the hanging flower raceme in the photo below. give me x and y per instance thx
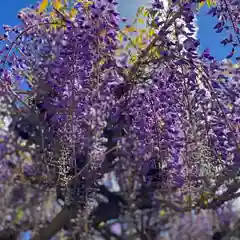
(69, 69)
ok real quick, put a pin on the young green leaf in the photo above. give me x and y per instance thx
(209, 3)
(201, 4)
(43, 6)
(140, 20)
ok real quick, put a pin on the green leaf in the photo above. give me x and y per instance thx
(204, 198)
(57, 4)
(43, 6)
(130, 29)
(200, 5)
(30, 77)
(146, 13)
(209, 3)
(87, 4)
(101, 224)
(73, 13)
(120, 37)
(151, 32)
(137, 40)
(188, 199)
(140, 20)
(133, 58)
(19, 215)
(140, 10)
(162, 213)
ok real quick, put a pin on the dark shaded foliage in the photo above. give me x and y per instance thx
(106, 211)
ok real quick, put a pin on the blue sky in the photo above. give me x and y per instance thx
(9, 10)
(128, 8)
(209, 38)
